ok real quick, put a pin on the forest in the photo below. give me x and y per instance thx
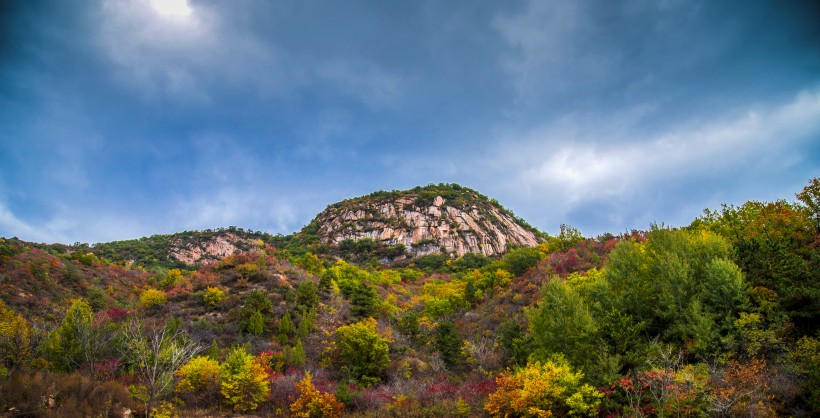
(715, 318)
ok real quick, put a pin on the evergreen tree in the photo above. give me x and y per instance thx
(449, 344)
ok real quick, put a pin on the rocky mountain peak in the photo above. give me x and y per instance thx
(444, 218)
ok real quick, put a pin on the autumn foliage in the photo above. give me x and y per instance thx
(314, 404)
(543, 390)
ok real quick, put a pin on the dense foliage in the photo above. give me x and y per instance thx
(718, 318)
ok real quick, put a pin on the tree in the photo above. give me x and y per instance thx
(256, 324)
(449, 344)
(517, 261)
(244, 381)
(200, 374)
(679, 286)
(314, 404)
(543, 390)
(364, 301)
(364, 353)
(66, 345)
(15, 340)
(285, 328)
(562, 324)
(307, 295)
(155, 353)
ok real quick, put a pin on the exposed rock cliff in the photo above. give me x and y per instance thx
(181, 249)
(446, 219)
(216, 248)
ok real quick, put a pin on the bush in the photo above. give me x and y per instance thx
(545, 389)
(152, 297)
(198, 374)
(213, 296)
(61, 395)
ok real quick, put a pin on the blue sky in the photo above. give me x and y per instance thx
(121, 119)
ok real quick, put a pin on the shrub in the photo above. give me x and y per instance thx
(198, 374)
(213, 296)
(151, 297)
(547, 389)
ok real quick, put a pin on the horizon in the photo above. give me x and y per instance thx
(126, 119)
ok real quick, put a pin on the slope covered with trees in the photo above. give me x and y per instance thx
(718, 318)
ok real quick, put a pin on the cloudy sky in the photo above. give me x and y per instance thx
(126, 118)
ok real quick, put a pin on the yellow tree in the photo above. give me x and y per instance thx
(543, 390)
(314, 404)
(15, 339)
(244, 381)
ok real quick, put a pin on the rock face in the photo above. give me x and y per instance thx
(425, 222)
(214, 249)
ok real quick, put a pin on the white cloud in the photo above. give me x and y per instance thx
(238, 206)
(577, 169)
(191, 56)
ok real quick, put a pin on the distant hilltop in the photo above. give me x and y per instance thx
(435, 219)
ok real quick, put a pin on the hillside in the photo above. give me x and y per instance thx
(436, 219)
(718, 318)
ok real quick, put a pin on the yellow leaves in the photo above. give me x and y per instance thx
(542, 390)
(244, 381)
(15, 336)
(311, 403)
(199, 373)
(151, 297)
(213, 296)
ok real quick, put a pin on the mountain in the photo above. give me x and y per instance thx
(435, 219)
(389, 226)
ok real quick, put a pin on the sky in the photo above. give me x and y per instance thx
(127, 118)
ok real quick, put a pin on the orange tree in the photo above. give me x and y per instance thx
(314, 404)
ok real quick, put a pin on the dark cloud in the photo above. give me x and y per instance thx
(118, 120)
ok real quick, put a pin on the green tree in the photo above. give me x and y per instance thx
(562, 324)
(363, 352)
(516, 345)
(286, 328)
(66, 345)
(307, 295)
(450, 344)
(295, 356)
(256, 324)
(364, 301)
(775, 245)
(518, 260)
(678, 285)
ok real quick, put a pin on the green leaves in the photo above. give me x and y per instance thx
(363, 352)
